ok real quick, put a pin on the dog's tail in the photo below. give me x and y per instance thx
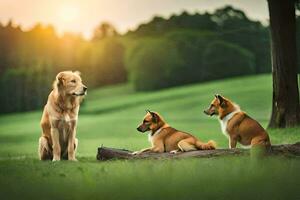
(206, 146)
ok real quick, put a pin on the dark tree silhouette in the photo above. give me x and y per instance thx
(104, 30)
(286, 108)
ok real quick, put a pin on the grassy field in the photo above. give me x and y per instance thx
(109, 116)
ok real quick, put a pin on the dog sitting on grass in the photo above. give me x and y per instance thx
(60, 117)
(237, 125)
(164, 138)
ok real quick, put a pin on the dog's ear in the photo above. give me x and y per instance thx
(60, 78)
(221, 100)
(154, 116)
(77, 72)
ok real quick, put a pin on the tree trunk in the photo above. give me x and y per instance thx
(286, 108)
(105, 153)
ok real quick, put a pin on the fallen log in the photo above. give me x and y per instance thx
(106, 153)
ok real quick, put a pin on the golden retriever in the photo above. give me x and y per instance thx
(59, 119)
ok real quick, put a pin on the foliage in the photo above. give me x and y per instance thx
(223, 60)
(30, 60)
(192, 34)
(173, 48)
(104, 30)
(21, 91)
(106, 64)
(155, 65)
(184, 21)
(191, 45)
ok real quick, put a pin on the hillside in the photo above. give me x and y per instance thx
(110, 115)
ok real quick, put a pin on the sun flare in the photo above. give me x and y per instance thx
(68, 12)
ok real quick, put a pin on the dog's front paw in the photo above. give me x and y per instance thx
(136, 153)
(174, 151)
(55, 160)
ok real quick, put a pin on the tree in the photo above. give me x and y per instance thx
(228, 18)
(107, 64)
(154, 64)
(191, 45)
(104, 30)
(222, 60)
(286, 108)
(235, 27)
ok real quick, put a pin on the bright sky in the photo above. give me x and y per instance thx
(82, 16)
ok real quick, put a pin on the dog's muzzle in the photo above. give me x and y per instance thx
(79, 94)
(143, 129)
(209, 113)
(84, 92)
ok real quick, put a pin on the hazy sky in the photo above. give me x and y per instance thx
(82, 16)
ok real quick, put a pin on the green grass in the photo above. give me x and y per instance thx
(109, 116)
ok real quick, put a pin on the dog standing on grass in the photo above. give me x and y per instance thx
(167, 139)
(237, 125)
(59, 119)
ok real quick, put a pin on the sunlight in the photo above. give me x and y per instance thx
(68, 12)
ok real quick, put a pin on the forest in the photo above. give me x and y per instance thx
(165, 52)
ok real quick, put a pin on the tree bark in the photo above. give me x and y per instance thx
(105, 153)
(285, 108)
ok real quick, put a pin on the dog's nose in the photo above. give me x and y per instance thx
(84, 88)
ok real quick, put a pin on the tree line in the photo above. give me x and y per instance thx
(182, 49)
(30, 60)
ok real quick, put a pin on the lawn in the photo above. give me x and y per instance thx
(109, 116)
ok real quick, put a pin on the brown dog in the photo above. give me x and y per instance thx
(60, 116)
(167, 139)
(237, 125)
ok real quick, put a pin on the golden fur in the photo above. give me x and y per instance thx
(237, 125)
(167, 139)
(59, 119)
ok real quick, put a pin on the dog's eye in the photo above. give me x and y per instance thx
(73, 81)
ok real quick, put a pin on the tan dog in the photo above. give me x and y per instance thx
(237, 125)
(60, 116)
(167, 139)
